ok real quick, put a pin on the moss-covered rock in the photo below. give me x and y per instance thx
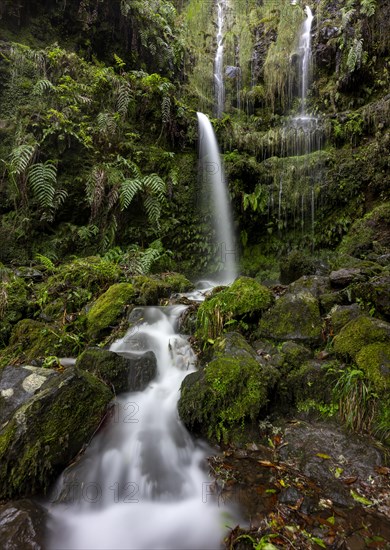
(315, 284)
(296, 265)
(374, 294)
(245, 299)
(231, 389)
(107, 309)
(308, 382)
(149, 289)
(369, 233)
(359, 333)
(33, 340)
(48, 431)
(295, 316)
(294, 355)
(121, 373)
(341, 315)
(374, 361)
(13, 303)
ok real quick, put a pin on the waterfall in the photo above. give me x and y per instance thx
(214, 191)
(218, 62)
(305, 50)
(140, 484)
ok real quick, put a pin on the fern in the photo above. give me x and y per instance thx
(129, 188)
(346, 16)
(45, 262)
(43, 86)
(166, 109)
(123, 100)
(20, 158)
(368, 7)
(106, 123)
(43, 178)
(355, 55)
(153, 209)
(154, 185)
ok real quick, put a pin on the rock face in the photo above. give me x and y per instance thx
(48, 429)
(295, 316)
(231, 389)
(130, 373)
(22, 525)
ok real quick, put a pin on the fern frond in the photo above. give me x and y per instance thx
(43, 178)
(43, 86)
(129, 188)
(153, 209)
(124, 97)
(21, 157)
(154, 185)
(166, 109)
(129, 165)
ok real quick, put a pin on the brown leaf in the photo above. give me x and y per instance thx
(349, 480)
(384, 470)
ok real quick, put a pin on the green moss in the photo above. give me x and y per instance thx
(368, 233)
(293, 317)
(255, 264)
(341, 315)
(294, 355)
(358, 333)
(108, 307)
(48, 431)
(232, 389)
(374, 361)
(13, 303)
(150, 289)
(244, 298)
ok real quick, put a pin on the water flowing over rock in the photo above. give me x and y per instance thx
(214, 189)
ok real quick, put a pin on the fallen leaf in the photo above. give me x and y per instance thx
(384, 470)
(360, 499)
(349, 480)
(324, 456)
(338, 472)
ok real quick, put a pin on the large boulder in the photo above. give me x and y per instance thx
(358, 333)
(295, 316)
(123, 373)
(48, 430)
(231, 389)
(341, 315)
(107, 309)
(149, 289)
(245, 298)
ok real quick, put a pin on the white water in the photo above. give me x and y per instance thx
(305, 50)
(141, 484)
(214, 187)
(218, 62)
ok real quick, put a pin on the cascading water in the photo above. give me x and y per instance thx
(214, 190)
(218, 62)
(305, 49)
(140, 484)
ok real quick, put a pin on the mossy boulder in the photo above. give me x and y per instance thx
(341, 315)
(13, 304)
(315, 284)
(374, 361)
(244, 301)
(231, 389)
(295, 316)
(294, 355)
(130, 373)
(33, 340)
(371, 233)
(359, 333)
(107, 309)
(308, 382)
(47, 431)
(296, 265)
(149, 289)
(374, 294)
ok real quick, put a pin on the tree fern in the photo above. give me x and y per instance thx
(129, 188)
(43, 177)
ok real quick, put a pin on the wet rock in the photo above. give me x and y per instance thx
(22, 525)
(344, 277)
(17, 385)
(230, 390)
(313, 283)
(295, 355)
(132, 372)
(46, 431)
(149, 289)
(295, 316)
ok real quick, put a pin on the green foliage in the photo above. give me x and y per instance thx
(368, 7)
(43, 178)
